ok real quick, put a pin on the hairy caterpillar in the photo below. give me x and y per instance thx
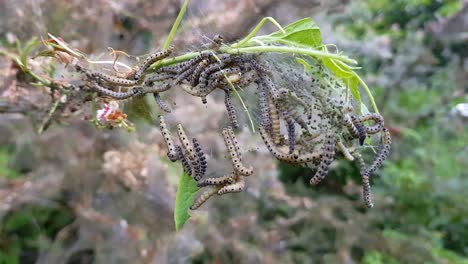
(236, 163)
(225, 179)
(115, 95)
(328, 156)
(231, 110)
(152, 59)
(172, 151)
(204, 197)
(237, 186)
(200, 156)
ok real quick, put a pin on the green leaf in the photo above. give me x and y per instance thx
(339, 69)
(303, 32)
(186, 191)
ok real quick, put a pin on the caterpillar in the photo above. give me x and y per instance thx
(231, 110)
(288, 158)
(113, 79)
(296, 116)
(366, 188)
(342, 148)
(200, 156)
(186, 144)
(152, 59)
(155, 89)
(204, 197)
(172, 151)
(182, 67)
(291, 134)
(379, 123)
(275, 121)
(362, 132)
(383, 152)
(263, 102)
(222, 72)
(235, 143)
(328, 155)
(366, 191)
(198, 70)
(162, 105)
(184, 75)
(236, 163)
(185, 163)
(235, 187)
(247, 78)
(224, 59)
(225, 179)
(350, 126)
(218, 40)
(260, 68)
(115, 95)
(158, 77)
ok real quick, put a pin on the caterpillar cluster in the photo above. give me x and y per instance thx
(306, 119)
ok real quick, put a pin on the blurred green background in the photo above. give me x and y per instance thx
(59, 204)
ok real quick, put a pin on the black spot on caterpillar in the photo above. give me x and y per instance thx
(328, 150)
(185, 163)
(204, 197)
(172, 152)
(152, 59)
(231, 110)
(115, 95)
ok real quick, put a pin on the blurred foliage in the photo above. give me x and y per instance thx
(6, 154)
(421, 188)
(24, 231)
